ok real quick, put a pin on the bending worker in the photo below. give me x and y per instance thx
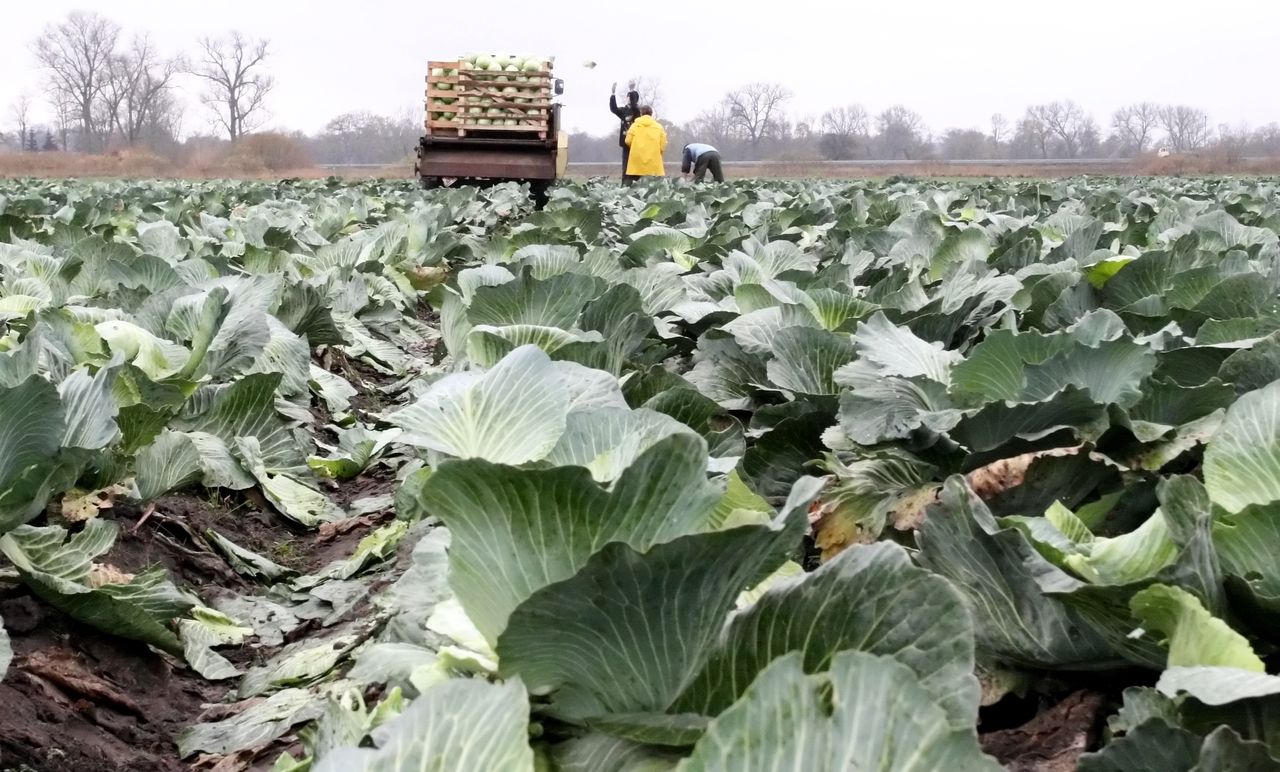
(700, 158)
(627, 115)
(648, 141)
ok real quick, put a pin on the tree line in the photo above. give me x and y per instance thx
(106, 90)
(753, 123)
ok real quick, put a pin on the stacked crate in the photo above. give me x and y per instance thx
(463, 100)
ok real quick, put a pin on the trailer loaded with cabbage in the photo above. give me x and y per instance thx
(491, 119)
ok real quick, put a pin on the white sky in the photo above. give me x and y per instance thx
(955, 63)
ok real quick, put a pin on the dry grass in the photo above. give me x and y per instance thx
(259, 156)
(133, 164)
(129, 163)
(269, 156)
(1153, 166)
(1207, 163)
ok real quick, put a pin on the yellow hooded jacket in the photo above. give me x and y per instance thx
(648, 141)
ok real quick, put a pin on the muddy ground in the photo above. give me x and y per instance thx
(78, 699)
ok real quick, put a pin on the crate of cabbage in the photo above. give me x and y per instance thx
(489, 94)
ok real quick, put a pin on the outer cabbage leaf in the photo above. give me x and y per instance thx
(629, 630)
(864, 712)
(60, 571)
(886, 607)
(511, 414)
(1242, 462)
(541, 526)
(459, 724)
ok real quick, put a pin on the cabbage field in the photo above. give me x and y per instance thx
(905, 476)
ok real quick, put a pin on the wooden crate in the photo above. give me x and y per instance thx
(483, 89)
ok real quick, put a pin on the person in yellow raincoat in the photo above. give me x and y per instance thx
(648, 141)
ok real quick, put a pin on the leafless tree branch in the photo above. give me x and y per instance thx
(237, 86)
(1135, 126)
(1187, 128)
(21, 112)
(76, 56)
(755, 110)
(903, 133)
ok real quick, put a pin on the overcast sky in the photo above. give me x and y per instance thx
(955, 63)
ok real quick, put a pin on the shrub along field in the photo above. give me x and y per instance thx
(314, 475)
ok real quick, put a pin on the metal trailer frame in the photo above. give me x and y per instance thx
(494, 157)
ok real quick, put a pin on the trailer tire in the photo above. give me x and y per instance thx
(540, 191)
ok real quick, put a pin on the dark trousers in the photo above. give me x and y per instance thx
(709, 160)
(626, 155)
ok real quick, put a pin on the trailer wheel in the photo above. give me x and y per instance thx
(431, 183)
(540, 192)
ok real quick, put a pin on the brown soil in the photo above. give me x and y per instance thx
(75, 699)
(369, 401)
(78, 699)
(172, 535)
(335, 541)
(1053, 740)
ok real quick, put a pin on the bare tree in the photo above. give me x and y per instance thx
(137, 84)
(850, 120)
(844, 132)
(964, 145)
(65, 118)
(1033, 134)
(1232, 143)
(650, 91)
(237, 86)
(21, 111)
(714, 126)
(1187, 128)
(77, 55)
(999, 130)
(902, 133)
(1265, 140)
(1068, 123)
(1135, 126)
(755, 110)
(362, 137)
(804, 128)
(162, 126)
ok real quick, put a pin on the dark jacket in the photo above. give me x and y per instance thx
(626, 114)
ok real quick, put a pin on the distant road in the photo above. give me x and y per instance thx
(923, 163)
(993, 167)
(854, 163)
